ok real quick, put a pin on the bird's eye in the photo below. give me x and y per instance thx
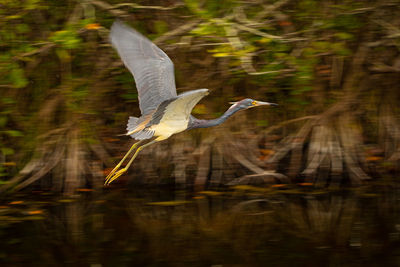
(254, 103)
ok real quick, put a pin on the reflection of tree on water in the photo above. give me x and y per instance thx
(246, 227)
(320, 224)
(325, 221)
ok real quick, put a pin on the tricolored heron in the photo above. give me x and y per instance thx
(164, 113)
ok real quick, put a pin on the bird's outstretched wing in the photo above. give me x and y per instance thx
(152, 69)
(178, 108)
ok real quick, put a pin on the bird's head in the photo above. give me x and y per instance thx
(250, 103)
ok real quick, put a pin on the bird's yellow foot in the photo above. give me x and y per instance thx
(111, 174)
(112, 178)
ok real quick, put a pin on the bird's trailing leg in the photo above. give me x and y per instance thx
(122, 160)
(112, 177)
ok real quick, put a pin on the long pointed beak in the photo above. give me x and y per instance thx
(261, 103)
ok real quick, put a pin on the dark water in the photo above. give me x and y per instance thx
(243, 226)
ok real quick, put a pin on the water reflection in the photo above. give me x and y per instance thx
(240, 227)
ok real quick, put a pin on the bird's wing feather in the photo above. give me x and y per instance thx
(152, 69)
(144, 134)
(132, 124)
(179, 108)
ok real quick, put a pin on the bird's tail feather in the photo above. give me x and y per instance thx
(137, 132)
(132, 124)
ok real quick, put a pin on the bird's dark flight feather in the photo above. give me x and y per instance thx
(151, 67)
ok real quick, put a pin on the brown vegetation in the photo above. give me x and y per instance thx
(333, 68)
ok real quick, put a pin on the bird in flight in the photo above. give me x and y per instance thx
(164, 113)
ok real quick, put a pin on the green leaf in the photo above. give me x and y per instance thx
(7, 101)
(14, 133)
(32, 4)
(7, 151)
(221, 55)
(3, 121)
(262, 123)
(63, 55)
(66, 38)
(321, 45)
(265, 40)
(160, 26)
(204, 29)
(344, 36)
(194, 7)
(22, 28)
(17, 77)
(341, 49)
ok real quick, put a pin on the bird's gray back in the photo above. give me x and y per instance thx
(178, 108)
(151, 67)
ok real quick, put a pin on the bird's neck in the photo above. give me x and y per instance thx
(196, 123)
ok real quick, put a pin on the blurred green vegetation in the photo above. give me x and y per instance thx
(66, 95)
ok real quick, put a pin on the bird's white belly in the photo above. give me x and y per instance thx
(169, 127)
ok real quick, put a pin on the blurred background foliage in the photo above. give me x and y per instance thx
(333, 66)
